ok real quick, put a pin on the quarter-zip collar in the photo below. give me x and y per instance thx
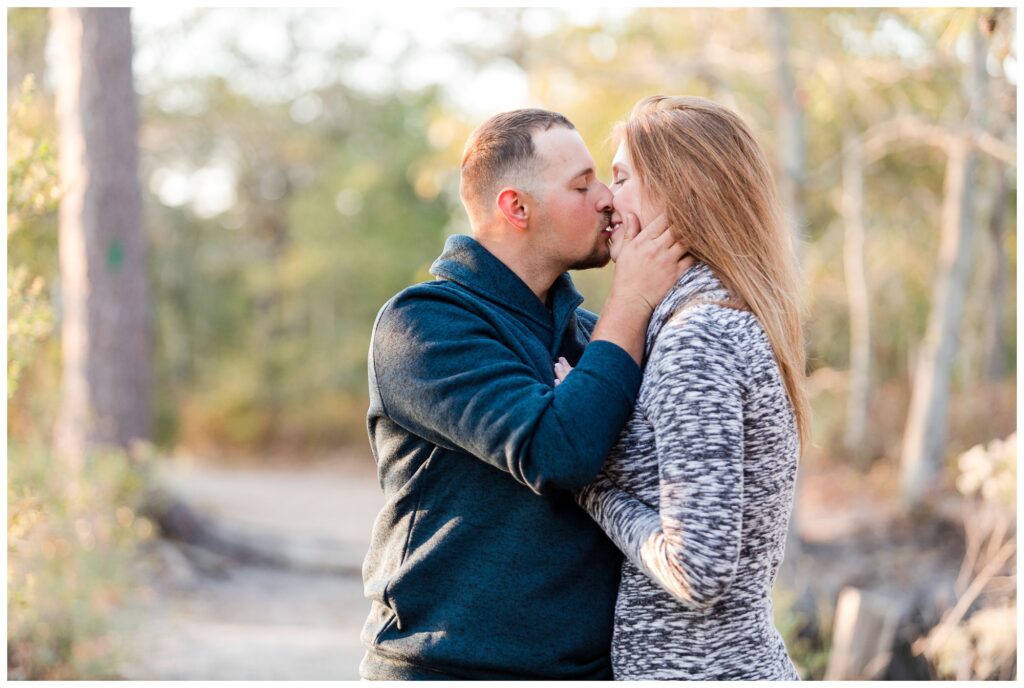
(466, 262)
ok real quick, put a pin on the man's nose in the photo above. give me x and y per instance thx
(604, 199)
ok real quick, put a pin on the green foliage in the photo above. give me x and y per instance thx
(32, 195)
(31, 164)
(26, 45)
(70, 554)
(70, 542)
(339, 196)
(29, 320)
(264, 310)
(809, 652)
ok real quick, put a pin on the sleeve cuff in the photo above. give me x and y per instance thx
(610, 363)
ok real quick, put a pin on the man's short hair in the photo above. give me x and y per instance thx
(501, 150)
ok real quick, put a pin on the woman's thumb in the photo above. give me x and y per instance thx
(632, 228)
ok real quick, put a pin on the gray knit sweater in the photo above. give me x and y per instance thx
(698, 493)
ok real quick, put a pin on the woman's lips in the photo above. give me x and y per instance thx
(610, 230)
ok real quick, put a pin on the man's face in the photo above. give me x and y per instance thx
(574, 208)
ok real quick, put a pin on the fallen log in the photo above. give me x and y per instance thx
(177, 521)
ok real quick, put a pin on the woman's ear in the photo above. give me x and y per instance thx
(515, 206)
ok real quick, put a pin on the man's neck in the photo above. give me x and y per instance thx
(519, 259)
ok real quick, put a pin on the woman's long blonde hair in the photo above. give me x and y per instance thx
(702, 163)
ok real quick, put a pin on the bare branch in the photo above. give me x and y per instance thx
(878, 138)
(997, 148)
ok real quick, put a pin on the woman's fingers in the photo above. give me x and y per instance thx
(658, 232)
(665, 239)
(656, 227)
(659, 237)
(562, 369)
(676, 250)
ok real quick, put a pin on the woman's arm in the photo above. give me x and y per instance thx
(690, 545)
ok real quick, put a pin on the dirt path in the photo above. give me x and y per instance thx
(207, 617)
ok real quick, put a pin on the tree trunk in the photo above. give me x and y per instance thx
(792, 154)
(105, 330)
(1004, 103)
(924, 438)
(996, 339)
(857, 296)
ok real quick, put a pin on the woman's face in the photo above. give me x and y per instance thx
(627, 198)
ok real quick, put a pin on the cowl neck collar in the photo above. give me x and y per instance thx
(699, 282)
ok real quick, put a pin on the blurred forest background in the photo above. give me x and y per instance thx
(193, 273)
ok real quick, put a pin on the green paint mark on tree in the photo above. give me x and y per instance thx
(115, 256)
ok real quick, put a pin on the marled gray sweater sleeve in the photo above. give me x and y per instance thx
(689, 543)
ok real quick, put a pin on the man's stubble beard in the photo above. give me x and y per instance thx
(598, 258)
(601, 255)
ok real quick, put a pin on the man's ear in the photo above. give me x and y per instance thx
(515, 206)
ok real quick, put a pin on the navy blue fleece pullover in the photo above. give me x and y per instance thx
(481, 563)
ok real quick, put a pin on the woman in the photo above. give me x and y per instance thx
(699, 489)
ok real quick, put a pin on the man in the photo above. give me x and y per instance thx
(481, 565)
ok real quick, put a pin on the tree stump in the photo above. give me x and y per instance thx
(863, 634)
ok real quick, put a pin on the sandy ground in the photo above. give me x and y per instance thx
(210, 618)
(205, 617)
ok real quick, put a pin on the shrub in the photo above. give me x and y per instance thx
(70, 554)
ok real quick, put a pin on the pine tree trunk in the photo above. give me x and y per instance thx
(857, 296)
(924, 438)
(105, 330)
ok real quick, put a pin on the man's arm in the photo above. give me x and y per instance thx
(442, 372)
